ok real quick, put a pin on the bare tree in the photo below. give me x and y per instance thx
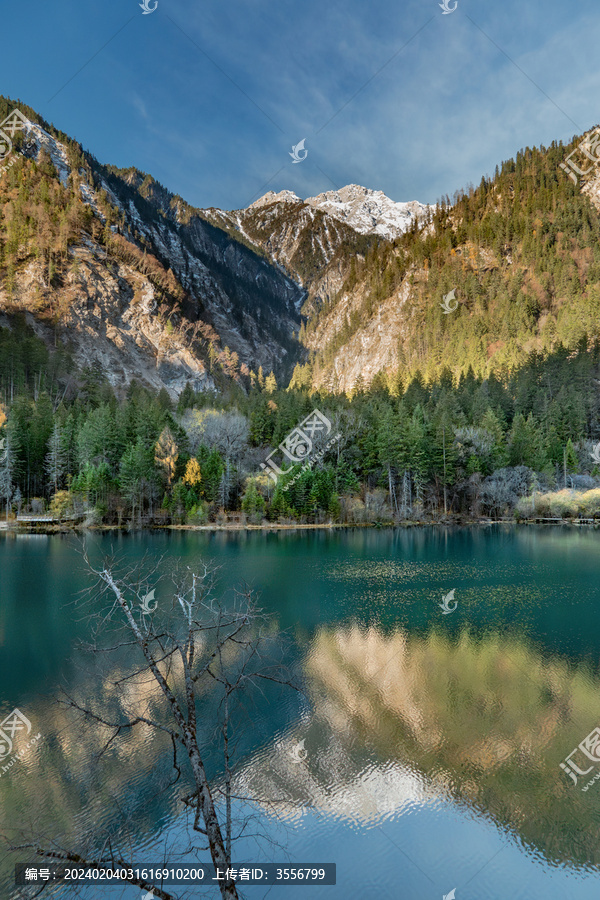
(501, 491)
(181, 655)
(7, 467)
(227, 431)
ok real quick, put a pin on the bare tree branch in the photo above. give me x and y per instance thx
(197, 646)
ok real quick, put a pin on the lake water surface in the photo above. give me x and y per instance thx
(432, 742)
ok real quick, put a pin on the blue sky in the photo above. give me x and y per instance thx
(210, 97)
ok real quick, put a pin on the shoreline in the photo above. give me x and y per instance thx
(14, 528)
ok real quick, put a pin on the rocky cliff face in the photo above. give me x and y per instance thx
(108, 316)
(374, 347)
(307, 243)
(252, 305)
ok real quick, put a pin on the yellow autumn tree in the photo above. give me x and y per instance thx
(192, 475)
(166, 453)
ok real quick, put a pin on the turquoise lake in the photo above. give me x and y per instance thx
(431, 742)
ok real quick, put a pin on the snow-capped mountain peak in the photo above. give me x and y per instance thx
(272, 197)
(368, 211)
(364, 210)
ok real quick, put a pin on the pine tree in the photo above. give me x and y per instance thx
(211, 468)
(186, 398)
(524, 444)
(253, 503)
(418, 446)
(136, 476)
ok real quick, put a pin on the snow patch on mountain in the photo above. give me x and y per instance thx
(55, 150)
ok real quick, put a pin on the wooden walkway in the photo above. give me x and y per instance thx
(29, 520)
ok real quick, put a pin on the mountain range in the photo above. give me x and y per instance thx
(332, 292)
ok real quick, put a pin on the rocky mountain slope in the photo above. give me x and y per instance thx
(314, 240)
(347, 286)
(307, 243)
(132, 278)
(253, 306)
(149, 287)
(106, 314)
(519, 260)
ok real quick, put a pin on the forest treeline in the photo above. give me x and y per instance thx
(472, 447)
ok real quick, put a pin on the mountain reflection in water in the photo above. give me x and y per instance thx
(400, 719)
